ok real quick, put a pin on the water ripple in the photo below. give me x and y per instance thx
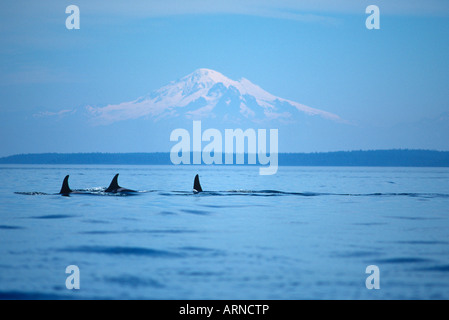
(10, 227)
(54, 216)
(404, 260)
(253, 193)
(132, 251)
(168, 231)
(134, 282)
(438, 268)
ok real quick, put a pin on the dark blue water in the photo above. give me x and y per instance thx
(306, 232)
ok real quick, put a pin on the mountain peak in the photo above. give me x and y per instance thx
(207, 72)
(207, 77)
(207, 93)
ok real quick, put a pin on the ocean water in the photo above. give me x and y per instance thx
(304, 233)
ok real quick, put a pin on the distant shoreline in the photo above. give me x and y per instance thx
(375, 158)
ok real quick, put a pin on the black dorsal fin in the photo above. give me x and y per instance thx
(65, 186)
(197, 185)
(114, 184)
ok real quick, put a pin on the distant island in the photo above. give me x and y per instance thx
(371, 158)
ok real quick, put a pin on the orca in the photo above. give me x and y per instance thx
(115, 188)
(196, 185)
(65, 189)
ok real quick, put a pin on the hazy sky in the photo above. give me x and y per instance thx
(391, 84)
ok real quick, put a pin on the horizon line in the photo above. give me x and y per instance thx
(191, 152)
(355, 158)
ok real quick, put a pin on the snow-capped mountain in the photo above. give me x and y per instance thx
(204, 94)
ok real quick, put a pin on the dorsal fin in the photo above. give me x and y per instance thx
(65, 186)
(114, 184)
(197, 185)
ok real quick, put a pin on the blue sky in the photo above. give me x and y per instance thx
(390, 84)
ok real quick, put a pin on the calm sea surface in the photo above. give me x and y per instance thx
(304, 233)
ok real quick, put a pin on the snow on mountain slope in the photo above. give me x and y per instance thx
(207, 93)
